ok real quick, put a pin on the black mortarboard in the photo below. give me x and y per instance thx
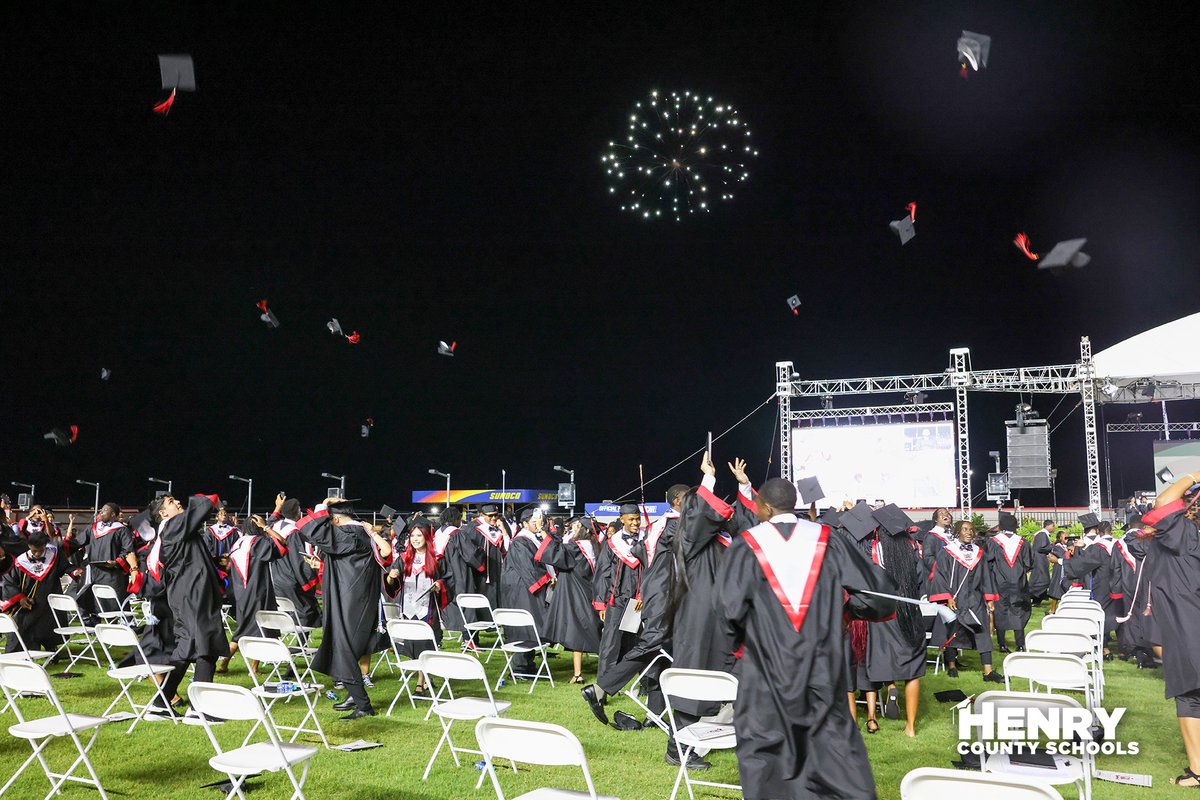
(1089, 520)
(892, 519)
(489, 508)
(1165, 475)
(926, 525)
(950, 696)
(810, 490)
(63, 437)
(143, 525)
(529, 513)
(1065, 254)
(973, 50)
(334, 327)
(629, 508)
(269, 317)
(1008, 522)
(831, 517)
(794, 303)
(446, 349)
(105, 373)
(858, 521)
(904, 228)
(178, 72)
(387, 511)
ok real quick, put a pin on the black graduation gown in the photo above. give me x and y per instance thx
(524, 581)
(1058, 582)
(34, 582)
(1136, 590)
(966, 577)
(494, 543)
(294, 579)
(105, 542)
(795, 737)
(617, 581)
(931, 543)
(193, 587)
(250, 580)
(463, 558)
(656, 552)
(1039, 572)
(1093, 568)
(353, 576)
(1174, 572)
(158, 636)
(890, 654)
(572, 620)
(1010, 560)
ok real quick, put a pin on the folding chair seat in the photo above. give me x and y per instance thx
(108, 594)
(634, 692)
(935, 783)
(1059, 672)
(477, 603)
(707, 686)
(458, 667)
(520, 618)
(109, 636)
(533, 743)
(18, 677)
(275, 654)
(231, 703)
(68, 623)
(1067, 769)
(400, 632)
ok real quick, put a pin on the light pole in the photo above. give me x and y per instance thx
(445, 475)
(32, 489)
(340, 478)
(249, 492)
(571, 474)
(162, 482)
(96, 504)
(1054, 491)
(503, 488)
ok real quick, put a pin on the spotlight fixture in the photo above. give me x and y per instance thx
(1148, 390)
(827, 402)
(1134, 418)
(1110, 388)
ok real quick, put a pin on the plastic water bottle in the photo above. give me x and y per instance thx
(480, 766)
(331, 695)
(501, 682)
(287, 687)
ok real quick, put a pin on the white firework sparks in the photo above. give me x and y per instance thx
(682, 154)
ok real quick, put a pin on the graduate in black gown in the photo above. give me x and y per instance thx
(355, 557)
(193, 588)
(1174, 573)
(463, 556)
(1010, 558)
(493, 535)
(1057, 553)
(297, 575)
(250, 560)
(525, 584)
(783, 587)
(422, 587)
(962, 580)
(1039, 573)
(32, 578)
(157, 637)
(219, 537)
(572, 620)
(1132, 630)
(1091, 566)
(110, 556)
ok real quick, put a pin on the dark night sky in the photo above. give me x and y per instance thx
(437, 176)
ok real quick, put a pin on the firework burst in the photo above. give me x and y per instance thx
(682, 154)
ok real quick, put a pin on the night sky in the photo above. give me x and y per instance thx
(438, 176)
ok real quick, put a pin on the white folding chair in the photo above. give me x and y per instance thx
(18, 677)
(634, 693)
(122, 615)
(400, 632)
(478, 603)
(110, 635)
(1067, 768)
(934, 783)
(929, 612)
(291, 634)
(520, 618)
(227, 620)
(1056, 671)
(276, 655)
(68, 623)
(458, 667)
(8, 627)
(707, 686)
(386, 658)
(534, 743)
(229, 702)
(1045, 641)
(1094, 614)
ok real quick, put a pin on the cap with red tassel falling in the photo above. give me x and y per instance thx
(179, 75)
(1022, 243)
(267, 315)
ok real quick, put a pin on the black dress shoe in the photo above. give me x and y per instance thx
(993, 677)
(694, 763)
(952, 672)
(359, 713)
(1003, 648)
(345, 705)
(593, 701)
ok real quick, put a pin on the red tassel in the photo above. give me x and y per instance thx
(962, 72)
(1022, 243)
(370, 422)
(452, 346)
(74, 432)
(165, 106)
(262, 306)
(912, 211)
(796, 311)
(353, 338)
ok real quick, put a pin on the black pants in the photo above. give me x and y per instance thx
(206, 669)
(951, 654)
(358, 693)
(682, 720)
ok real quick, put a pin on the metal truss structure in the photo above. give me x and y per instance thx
(1152, 427)
(873, 411)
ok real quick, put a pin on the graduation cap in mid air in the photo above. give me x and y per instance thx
(446, 349)
(354, 337)
(179, 75)
(1066, 254)
(859, 521)
(973, 50)
(366, 427)
(810, 490)
(388, 511)
(892, 519)
(335, 327)
(63, 437)
(105, 373)
(1165, 475)
(1089, 520)
(905, 226)
(794, 304)
(267, 315)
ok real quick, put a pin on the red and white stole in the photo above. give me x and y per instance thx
(970, 562)
(102, 529)
(221, 532)
(585, 547)
(622, 550)
(34, 569)
(496, 540)
(792, 565)
(525, 533)
(656, 531)
(1106, 543)
(1010, 544)
(239, 556)
(441, 538)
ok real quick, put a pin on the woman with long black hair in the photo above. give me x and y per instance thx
(572, 620)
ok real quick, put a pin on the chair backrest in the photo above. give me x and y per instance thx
(1057, 668)
(1051, 642)
(116, 635)
(285, 605)
(934, 783)
(530, 742)
(455, 666)
(264, 650)
(24, 676)
(225, 700)
(1041, 701)
(105, 592)
(1094, 613)
(275, 620)
(699, 684)
(390, 610)
(8, 625)
(410, 630)
(469, 600)
(1056, 624)
(64, 603)
(1078, 602)
(513, 618)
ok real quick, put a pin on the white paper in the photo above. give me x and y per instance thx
(631, 620)
(1131, 778)
(357, 744)
(704, 730)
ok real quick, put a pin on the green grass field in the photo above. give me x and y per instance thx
(162, 760)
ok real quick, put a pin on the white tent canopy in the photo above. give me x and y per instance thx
(1168, 353)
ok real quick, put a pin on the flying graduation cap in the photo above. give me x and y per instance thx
(794, 304)
(1023, 244)
(973, 51)
(178, 75)
(354, 337)
(105, 373)
(366, 427)
(905, 227)
(63, 437)
(1066, 254)
(267, 315)
(446, 349)
(334, 327)
(810, 490)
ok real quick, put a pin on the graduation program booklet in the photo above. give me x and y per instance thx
(631, 620)
(708, 730)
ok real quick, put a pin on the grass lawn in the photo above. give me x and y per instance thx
(162, 760)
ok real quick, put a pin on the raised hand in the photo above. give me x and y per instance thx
(738, 468)
(706, 464)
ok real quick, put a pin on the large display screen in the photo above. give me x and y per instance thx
(911, 465)
(1181, 456)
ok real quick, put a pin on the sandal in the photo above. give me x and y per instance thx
(1187, 775)
(420, 688)
(576, 679)
(874, 729)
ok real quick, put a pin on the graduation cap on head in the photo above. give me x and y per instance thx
(63, 437)
(335, 327)
(904, 228)
(1089, 520)
(794, 304)
(973, 50)
(446, 349)
(1065, 254)
(892, 519)
(859, 521)
(179, 75)
(810, 490)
